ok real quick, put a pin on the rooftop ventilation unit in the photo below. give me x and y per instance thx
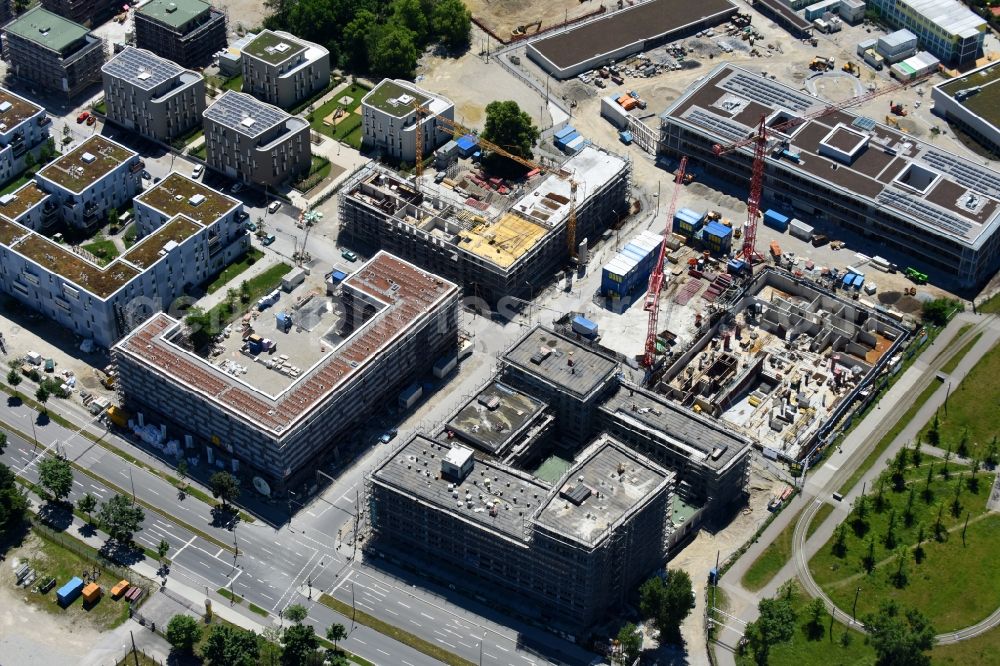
(44, 30)
(171, 8)
(282, 47)
(5, 106)
(247, 122)
(89, 158)
(577, 494)
(197, 199)
(143, 75)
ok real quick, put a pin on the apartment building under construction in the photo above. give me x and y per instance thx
(510, 245)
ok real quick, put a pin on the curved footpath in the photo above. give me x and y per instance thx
(828, 478)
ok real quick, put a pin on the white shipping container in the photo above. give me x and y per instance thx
(800, 230)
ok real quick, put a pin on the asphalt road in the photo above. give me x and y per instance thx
(275, 567)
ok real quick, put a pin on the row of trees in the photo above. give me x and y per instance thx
(381, 37)
(664, 601)
(294, 645)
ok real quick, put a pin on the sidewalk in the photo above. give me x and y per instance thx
(822, 481)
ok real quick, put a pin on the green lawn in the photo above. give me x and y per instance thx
(234, 269)
(129, 236)
(101, 107)
(893, 433)
(772, 559)
(821, 515)
(201, 152)
(235, 83)
(955, 585)
(16, 183)
(102, 248)
(950, 366)
(807, 648)
(318, 171)
(982, 651)
(259, 285)
(991, 306)
(972, 407)
(347, 130)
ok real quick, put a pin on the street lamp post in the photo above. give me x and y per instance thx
(854, 609)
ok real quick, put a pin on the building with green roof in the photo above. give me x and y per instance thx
(89, 13)
(188, 32)
(52, 52)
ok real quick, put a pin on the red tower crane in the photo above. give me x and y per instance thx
(759, 140)
(652, 303)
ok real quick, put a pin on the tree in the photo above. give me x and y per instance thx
(918, 550)
(335, 633)
(162, 549)
(183, 631)
(880, 503)
(410, 14)
(42, 396)
(868, 561)
(917, 455)
(230, 646)
(392, 51)
(182, 468)
(956, 504)
(14, 378)
(296, 613)
(667, 600)
(963, 445)
(121, 518)
(511, 128)
(934, 433)
(452, 23)
(937, 311)
(899, 578)
(900, 638)
(816, 613)
(244, 292)
(300, 642)
(776, 624)
(29, 161)
(991, 452)
(87, 504)
(840, 545)
(3, 442)
(927, 494)
(972, 481)
(113, 219)
(13, 503)
(908, 515)
(631, 642)
(55, 475)
(225, 487)
(890, 531)
(357, 34)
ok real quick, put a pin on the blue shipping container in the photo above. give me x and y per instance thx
(687, 221)
(630, 268)
(568, 129)
(848, 280)
(338, 276)
(566, 140)
(718, 236)
(858, 281)
(776, 220)
(68, 593)
(736, 266)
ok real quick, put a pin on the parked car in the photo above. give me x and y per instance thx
(273, 206)
(92, 120)
(268, 239)
(350, 256)
(388, 436)
(250, 226)
(197, 170)
(145, 175)
(237, 188)
(82, 117)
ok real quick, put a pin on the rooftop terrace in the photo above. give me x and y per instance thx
(607, 484)
(561, 361)
(415, 469)
(46, 29)
(273, 48)
(383, 97)
(102, 282)
(14, 109)
(149, 250)
(179, 195)
(493, 417)
(409, 294)
(93, 159)
(21, 200)
(174, 13)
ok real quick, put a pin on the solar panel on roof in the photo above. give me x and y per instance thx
(720, 126)
(964, 173)
(863, 123)
(926, 212)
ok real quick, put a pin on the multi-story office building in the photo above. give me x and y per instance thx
(967, 101)
(572, 550)
(946, 28)
(510, 249)
(51, 52)
(23, 126)
(188, 233)
(97, 176)
(188, 32)
(926, 205)
(255, 142)
(152, 96)
(389, 119)
(282, 70)
(284, 422)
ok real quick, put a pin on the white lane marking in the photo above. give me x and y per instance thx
(429, 617)
(402, 604)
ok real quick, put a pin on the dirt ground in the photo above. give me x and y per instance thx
(503, 16)
(244, 15)
(472, 83)
(699, 556)
(26, 632)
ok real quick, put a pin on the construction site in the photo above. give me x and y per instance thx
(282, 385)
(497, 238)
(557, 458)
